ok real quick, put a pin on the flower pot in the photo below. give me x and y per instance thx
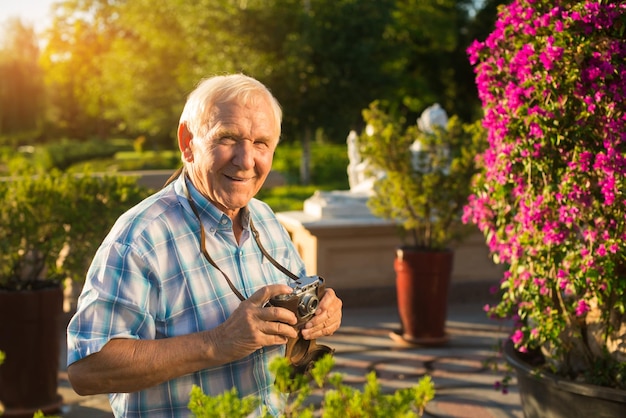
(547, 396)
(29, 336)
(422, 282)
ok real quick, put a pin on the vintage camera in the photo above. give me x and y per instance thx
(303, 300)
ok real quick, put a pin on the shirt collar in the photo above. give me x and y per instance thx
(208, 211)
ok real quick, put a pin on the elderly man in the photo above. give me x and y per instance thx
(177, 293)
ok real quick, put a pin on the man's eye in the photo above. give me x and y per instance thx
(227, 140)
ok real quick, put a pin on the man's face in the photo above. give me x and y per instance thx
(231, 163)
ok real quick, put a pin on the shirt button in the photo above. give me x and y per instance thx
(224, 221)
(212, 229)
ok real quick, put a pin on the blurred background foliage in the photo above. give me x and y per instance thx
(104, 83)
(117, 68)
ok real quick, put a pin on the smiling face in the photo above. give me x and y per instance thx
(230, 163)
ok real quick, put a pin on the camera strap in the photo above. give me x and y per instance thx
(205, 253)
(302, 354)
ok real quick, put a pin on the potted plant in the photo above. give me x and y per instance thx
(550, 195)
(426, 170)
(50, 225)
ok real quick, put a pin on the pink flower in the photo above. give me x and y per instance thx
(517, 337)
(552, 81)
(582, 308)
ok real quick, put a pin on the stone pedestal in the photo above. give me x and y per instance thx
(350, 253)
(340, 240)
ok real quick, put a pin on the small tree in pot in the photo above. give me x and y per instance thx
(550, 199)
(424, 184)
(51, 225)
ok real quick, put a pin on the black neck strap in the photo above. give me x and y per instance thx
(205, 253)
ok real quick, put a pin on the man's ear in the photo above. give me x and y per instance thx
(184, 141)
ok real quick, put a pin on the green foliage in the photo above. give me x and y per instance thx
(117, 66)
(52, 223)
(93, 155)
(65, 153)
(340, 400)
(226, 405)
(40, 414)
(371, 402)
(605, 371)
(286, 198)
(423, 192)
(328, 163)
(145, 160)
(329, 172)
(22, 87)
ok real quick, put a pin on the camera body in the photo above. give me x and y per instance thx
(303, 300)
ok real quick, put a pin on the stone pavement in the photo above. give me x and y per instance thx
(464, 385)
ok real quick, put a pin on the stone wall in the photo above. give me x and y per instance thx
(356, 255)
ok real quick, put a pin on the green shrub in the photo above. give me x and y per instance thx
(40, 414)
(52, 223)
(329, 164)
(65, 153)
(340, 400)
(286, 198)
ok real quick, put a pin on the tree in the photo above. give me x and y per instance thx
(21, 81)
(143, 69)
(117, 66)
(80, 37)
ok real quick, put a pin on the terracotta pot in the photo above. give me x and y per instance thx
(422, 282)
(29, 336)
(547, 396)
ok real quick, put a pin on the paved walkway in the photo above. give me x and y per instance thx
(464, 386)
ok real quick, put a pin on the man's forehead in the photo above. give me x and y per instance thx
(233, 116)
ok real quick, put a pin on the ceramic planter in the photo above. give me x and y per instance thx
(548, 396)
(422, 282)
(29, 336)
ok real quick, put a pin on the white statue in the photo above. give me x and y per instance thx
(433, 116)
(358, 178)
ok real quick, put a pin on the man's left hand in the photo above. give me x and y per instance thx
(327, 317)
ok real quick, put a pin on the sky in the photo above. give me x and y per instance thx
(35, 12)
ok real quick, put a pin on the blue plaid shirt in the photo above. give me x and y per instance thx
(149, 280)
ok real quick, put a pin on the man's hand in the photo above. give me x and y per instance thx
(327, 317)
(253, 325)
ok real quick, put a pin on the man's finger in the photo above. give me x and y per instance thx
(261, 296)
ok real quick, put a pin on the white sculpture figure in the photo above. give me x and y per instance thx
(433, 116)
(354, 158)
(358, 177)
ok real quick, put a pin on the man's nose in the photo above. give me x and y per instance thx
(244, 154)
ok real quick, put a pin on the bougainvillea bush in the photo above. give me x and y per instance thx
(550, 196)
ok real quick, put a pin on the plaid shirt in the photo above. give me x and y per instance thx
(149, 280)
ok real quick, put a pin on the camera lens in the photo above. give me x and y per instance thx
(308, 305)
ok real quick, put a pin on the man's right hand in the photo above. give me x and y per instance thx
(254, 325)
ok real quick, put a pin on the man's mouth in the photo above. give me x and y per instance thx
(237, 179)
